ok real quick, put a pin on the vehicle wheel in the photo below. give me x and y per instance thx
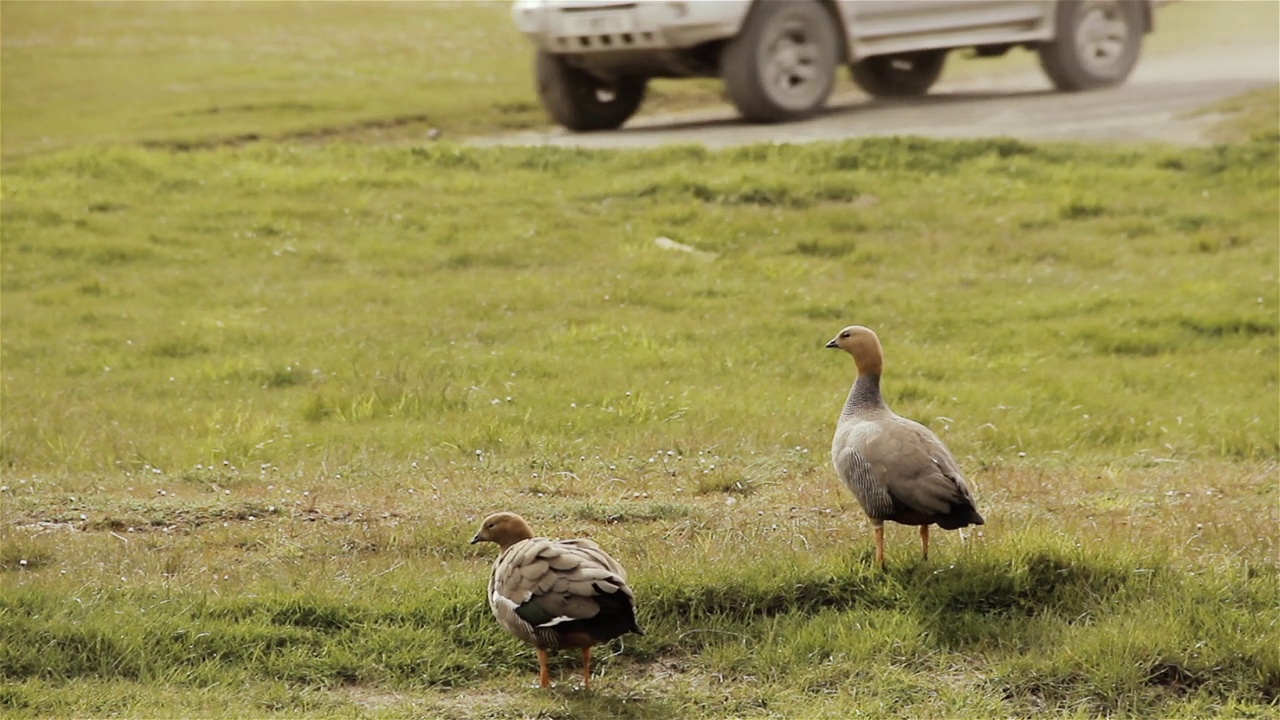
(781, 66)
(1097, 44)
(581, 101)
(906, 75)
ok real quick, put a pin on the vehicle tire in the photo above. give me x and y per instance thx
(1097, 45)
(782, 64)
(905, 75)
(581, 101)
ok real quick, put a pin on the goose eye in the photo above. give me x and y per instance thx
(844, 335)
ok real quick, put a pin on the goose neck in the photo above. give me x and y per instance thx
(865, 394)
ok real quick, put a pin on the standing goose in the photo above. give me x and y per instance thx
(897, 468)
(556, 594)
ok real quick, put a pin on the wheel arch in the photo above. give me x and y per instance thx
(833, 8)
(1148, 17)
(836, 10)
(1146, 10)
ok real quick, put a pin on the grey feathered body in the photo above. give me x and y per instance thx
(561, 593)
(897, 468)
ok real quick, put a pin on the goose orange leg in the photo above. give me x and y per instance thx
(880, 545)
(924, 541)
(544, 673)
(586, 667)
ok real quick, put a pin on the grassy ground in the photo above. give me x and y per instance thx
(180, 74)
(1254, 115)
(256, 398)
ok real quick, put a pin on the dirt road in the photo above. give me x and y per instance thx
(1152, 106)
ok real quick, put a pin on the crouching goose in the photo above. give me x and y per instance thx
(556, 594)
(897, 468)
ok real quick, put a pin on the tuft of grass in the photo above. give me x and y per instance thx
(1254, 115)
(629, 512)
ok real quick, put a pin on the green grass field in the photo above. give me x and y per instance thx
(257, 397)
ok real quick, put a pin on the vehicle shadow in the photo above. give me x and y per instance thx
(842, 108)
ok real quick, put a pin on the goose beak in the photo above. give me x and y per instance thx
(832, 343)
(476, 539)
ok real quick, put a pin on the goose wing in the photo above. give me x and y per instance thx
(540, 583)
(899, 469)
(923, 476)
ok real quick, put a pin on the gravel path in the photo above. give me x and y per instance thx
(1152, 106)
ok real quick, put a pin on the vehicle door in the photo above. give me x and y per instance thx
(880, 26)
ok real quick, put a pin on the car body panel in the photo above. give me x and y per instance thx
(610, 28)
(885, 27)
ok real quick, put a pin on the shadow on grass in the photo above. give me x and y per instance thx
(987, 602)
(1028, 585)
(1038, 582)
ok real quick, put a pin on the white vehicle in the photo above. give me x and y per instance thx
(778, 58)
